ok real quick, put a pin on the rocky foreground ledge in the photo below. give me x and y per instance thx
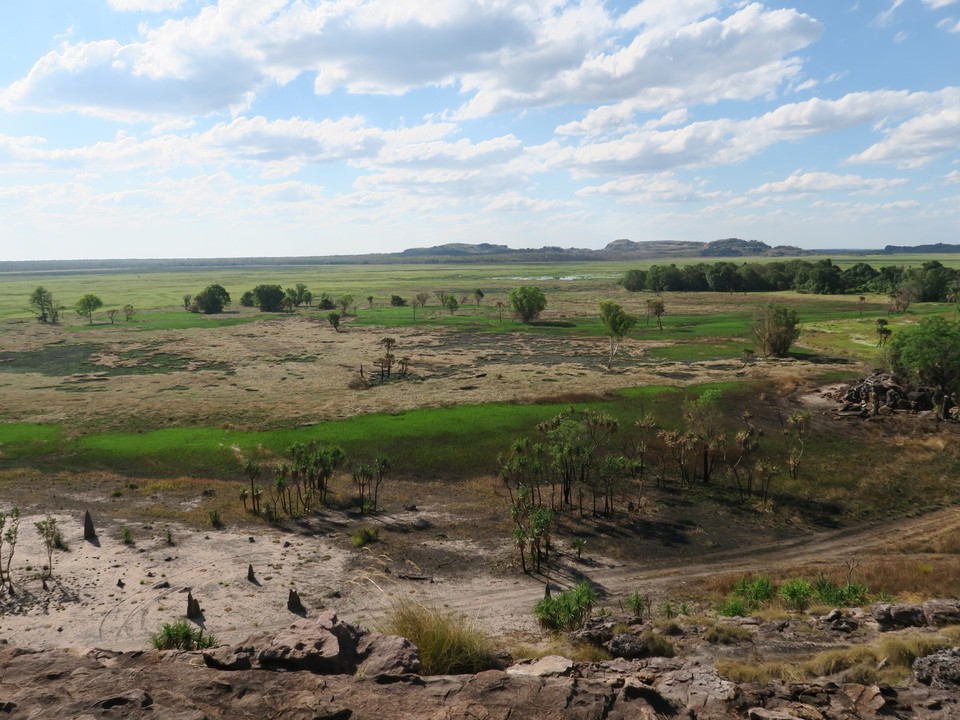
(325, 669)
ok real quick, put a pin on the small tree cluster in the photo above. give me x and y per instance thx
(209, 301)
(45, 306)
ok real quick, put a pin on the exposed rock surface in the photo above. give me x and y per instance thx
(325, 669)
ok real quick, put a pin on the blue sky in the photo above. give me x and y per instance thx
(202, 128)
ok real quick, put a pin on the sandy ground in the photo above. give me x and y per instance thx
(107, 594)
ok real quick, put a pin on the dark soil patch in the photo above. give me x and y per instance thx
(55, 360)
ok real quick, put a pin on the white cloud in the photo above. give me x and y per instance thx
(805, 183)
(741, 56)
(919, 140)
(937, 4)
(145, 5)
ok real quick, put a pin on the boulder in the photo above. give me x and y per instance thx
(941, 612)
(939, 670)
(898, 615)
(387, 656)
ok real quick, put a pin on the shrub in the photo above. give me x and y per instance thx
(796, 594)
(215, 518)
(448, 643)
(126, 536)
(755, 592)
(181, 636)
(567, 610)
(732, 607)
(829, 593)
(638, 603)
(364, 536)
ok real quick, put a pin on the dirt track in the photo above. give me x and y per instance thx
(86, 607)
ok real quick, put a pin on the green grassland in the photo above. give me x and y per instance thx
(463, 440)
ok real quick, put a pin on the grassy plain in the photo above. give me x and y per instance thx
(174, 394)
(151, 420)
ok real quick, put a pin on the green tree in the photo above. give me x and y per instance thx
(776, 328)
(298, 294)
(129, 312)
(419, 299)
(44, 305)
(618, 323)
(478, 296)
(51, 536)
(247, 299)
(527, 302)
(88, 305)
(634, 280)
(452, 304)
(333, 317)
(211, 300)
(929, 353)
(269, 298)
(345, 302)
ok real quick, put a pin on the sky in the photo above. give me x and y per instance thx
(244, 128)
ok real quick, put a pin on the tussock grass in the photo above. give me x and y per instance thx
(889, 659)
(727, 634)
(449, 643)
(760, 673)
(579, 652)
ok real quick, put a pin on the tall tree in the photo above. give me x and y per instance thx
(88, 305)
(618, 323)
(929, 353)
(44, 306)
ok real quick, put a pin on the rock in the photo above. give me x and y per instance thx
(697, 687)
(899, 615)
(548, 666)
(250, 576)
(940, 612)
(627, 646)
(833, 615)
(865, 701)
(225, 658)
(764, 714)
(940, 669)
(387, 656)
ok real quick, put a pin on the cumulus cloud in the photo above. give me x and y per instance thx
(805, 183)
(503, 56)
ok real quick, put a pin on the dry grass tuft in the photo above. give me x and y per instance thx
(448, 642)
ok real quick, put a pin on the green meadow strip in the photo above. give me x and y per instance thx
(434, 442)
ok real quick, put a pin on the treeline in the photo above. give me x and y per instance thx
(930, 282)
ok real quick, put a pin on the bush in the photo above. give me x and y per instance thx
(181, 636)
(829, 593)
(126, 536)
(638, 603)
(776, 328)
(567, 610)
(449, 644)
(796, 594)
(755, 592)
(364, 536)
(215, 520)
(732, 607)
